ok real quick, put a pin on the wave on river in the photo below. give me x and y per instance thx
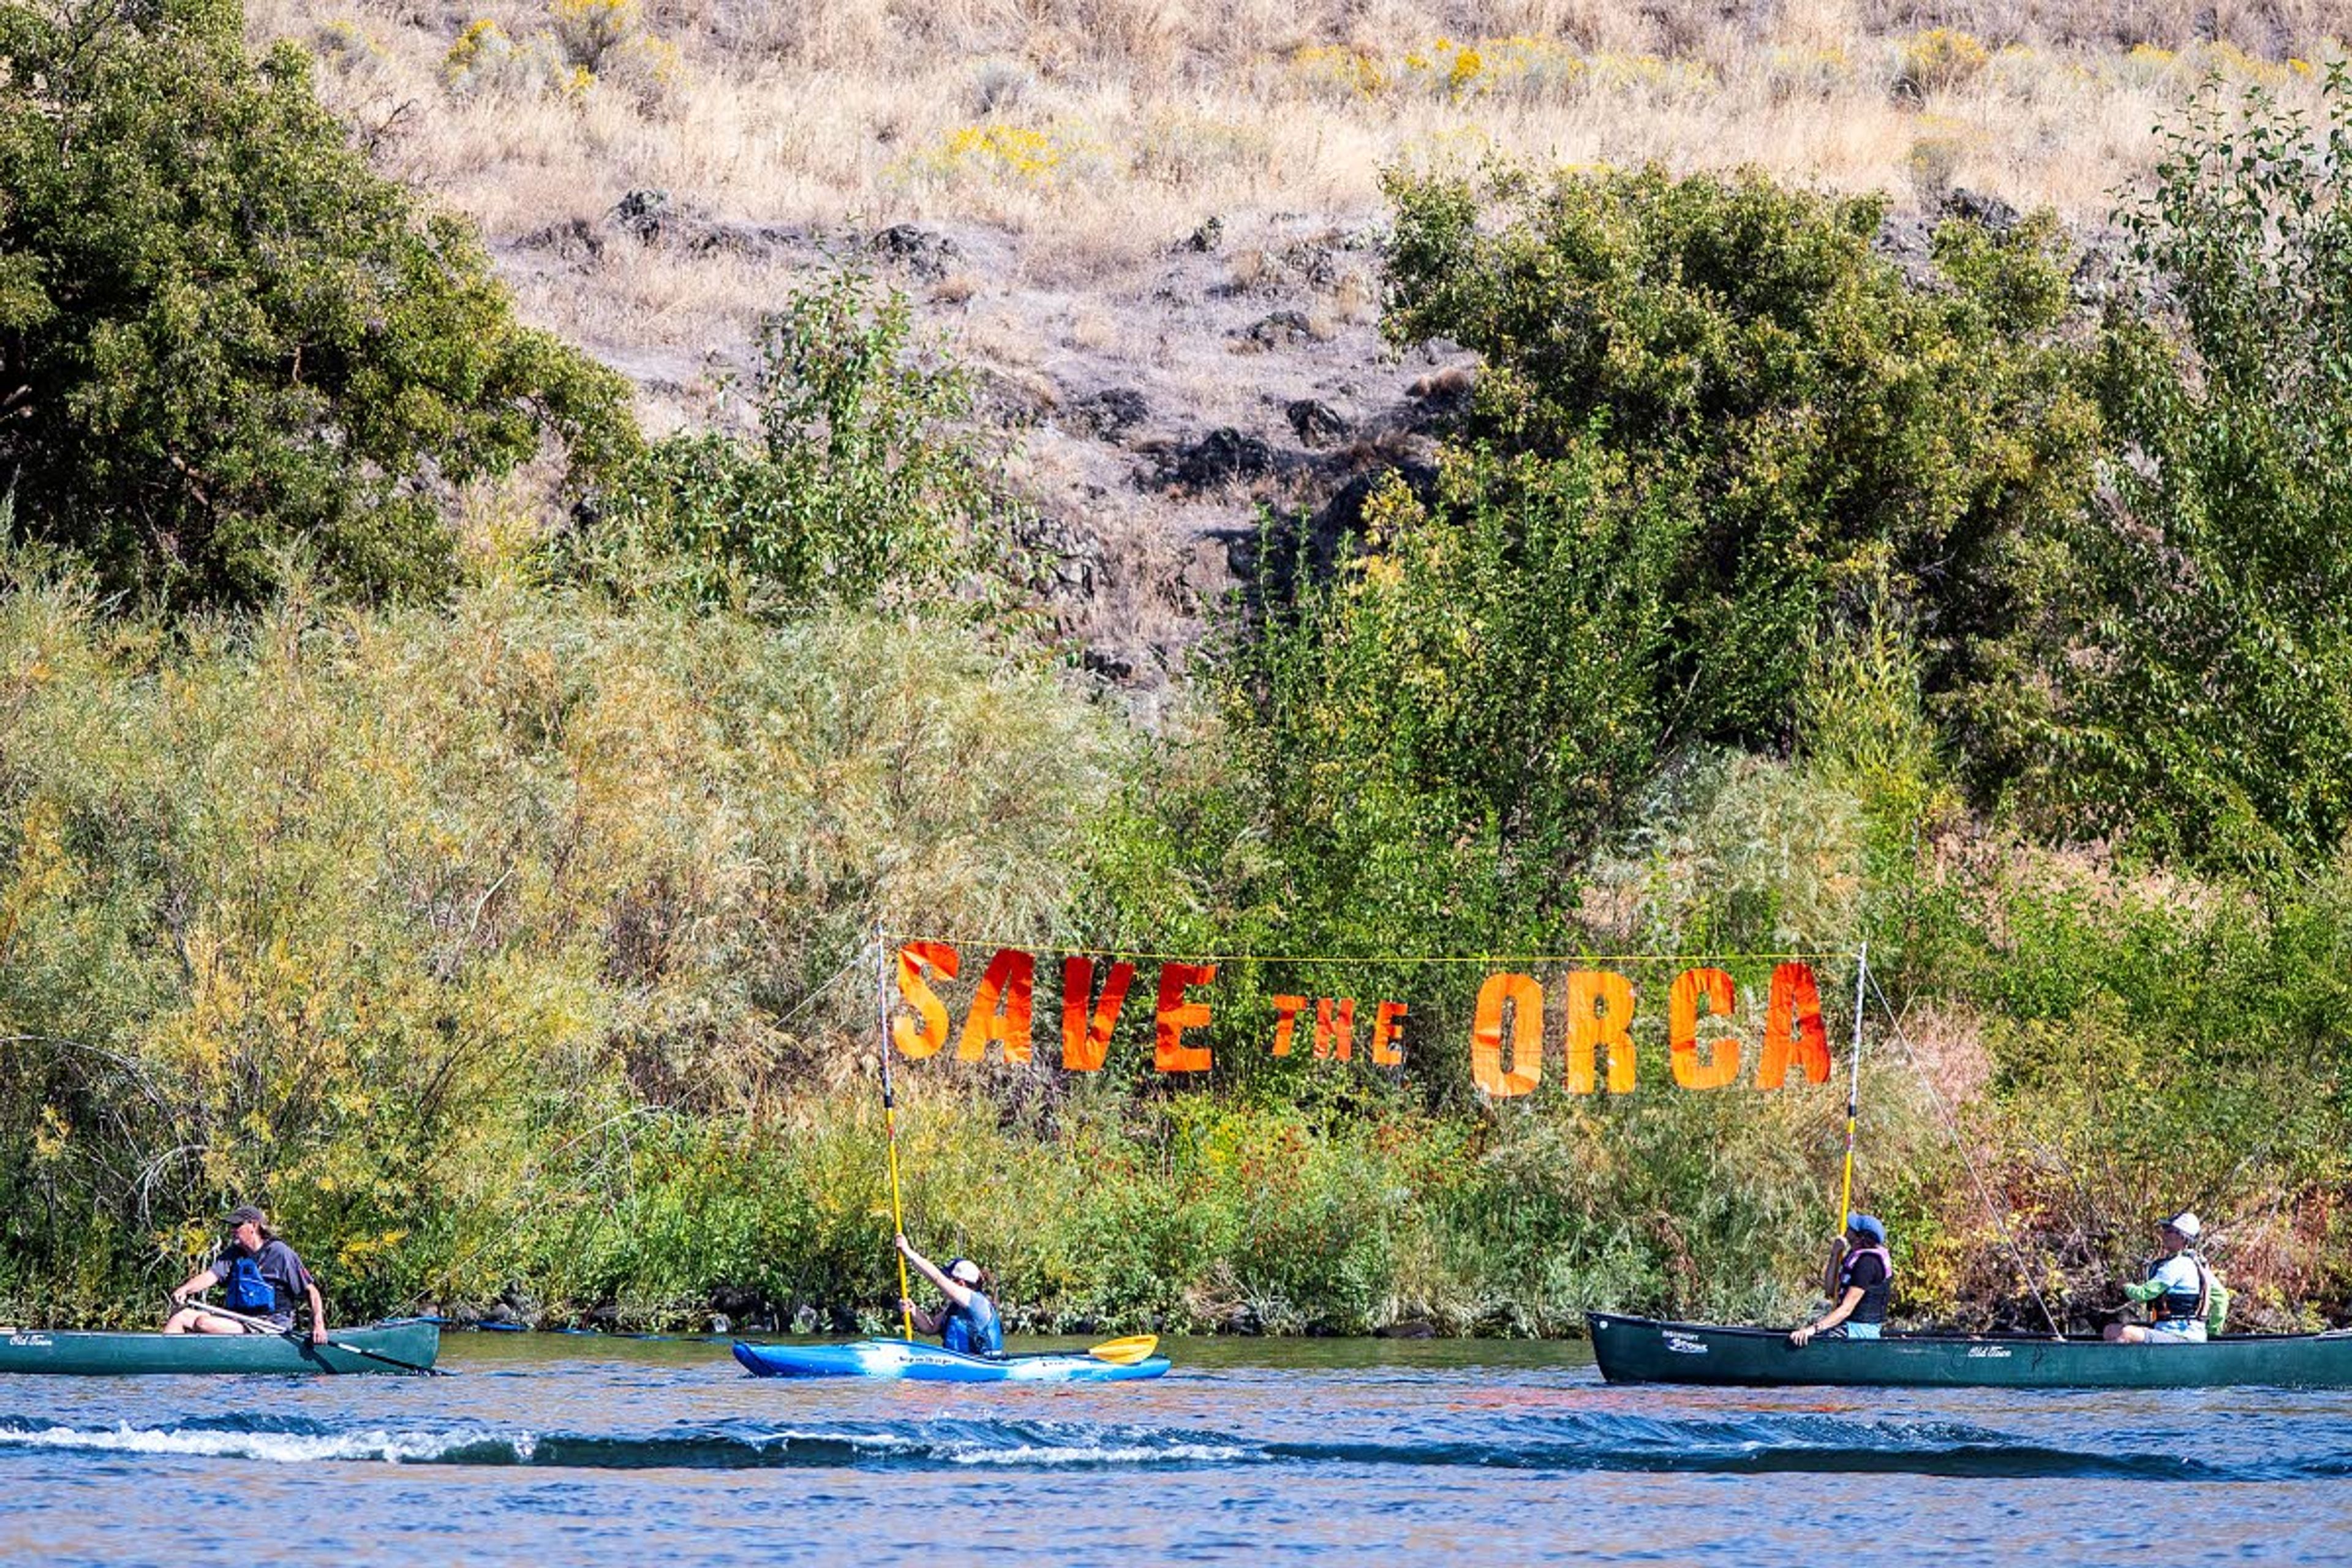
(1758, 1443)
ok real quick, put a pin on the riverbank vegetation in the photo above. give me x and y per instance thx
(433, 808)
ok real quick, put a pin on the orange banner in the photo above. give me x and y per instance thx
(1511, 1029)
(1170, 1054)
(1523, 997)
(1718, 1063)
(1086, 1041)
(999, 1009)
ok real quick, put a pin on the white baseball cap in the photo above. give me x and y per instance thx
(2187, 1224)
(966, 1272)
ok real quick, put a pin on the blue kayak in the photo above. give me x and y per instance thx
(918, 1362)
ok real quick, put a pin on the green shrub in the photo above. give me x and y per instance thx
(866, 482)
(1822, 425)
(2207, 709)
(229, 346)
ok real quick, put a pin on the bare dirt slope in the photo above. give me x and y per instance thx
(1153, 227)
(1159, 409)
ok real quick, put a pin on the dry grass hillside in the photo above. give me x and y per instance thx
(1152, 222)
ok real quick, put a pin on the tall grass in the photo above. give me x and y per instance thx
(363, 914)
(1310, 104)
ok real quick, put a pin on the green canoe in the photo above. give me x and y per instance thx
(144, 1354)
(1643, 1350)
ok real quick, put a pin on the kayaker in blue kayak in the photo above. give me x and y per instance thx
(2185, 1303)
(260, 1277)
(1860, 1275)
(969, 1323)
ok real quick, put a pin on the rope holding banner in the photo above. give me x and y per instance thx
(1952, 1129)
(890, 1117)
(1027, 944)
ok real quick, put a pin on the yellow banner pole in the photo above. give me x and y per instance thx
(1854, 1088)
(890, 1117)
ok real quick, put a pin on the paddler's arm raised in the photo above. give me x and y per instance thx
(953, 1289)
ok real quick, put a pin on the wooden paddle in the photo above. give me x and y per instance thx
(299, 1338)
(1126, 1351)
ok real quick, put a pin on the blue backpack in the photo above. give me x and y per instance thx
(244, 1290)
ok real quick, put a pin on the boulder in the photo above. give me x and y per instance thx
(1338, 524)
(924, 252)
(1109, 415)
(1069, 559)
(1409, 1328)
(1118, 664)
(574, 239)
(642, 213)
(1442, 396)
(1281, 328)
(736, 1301)
(1316, 424)
(1222, 455)
(1995, 216)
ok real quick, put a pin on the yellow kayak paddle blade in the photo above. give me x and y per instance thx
(1126, 1351)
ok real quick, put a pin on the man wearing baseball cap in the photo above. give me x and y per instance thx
(2184, 1299)
(969, 1323)
(261, 1276)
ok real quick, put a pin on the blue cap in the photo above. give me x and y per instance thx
(1868, 1226)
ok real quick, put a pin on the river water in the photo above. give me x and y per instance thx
(559, 1450)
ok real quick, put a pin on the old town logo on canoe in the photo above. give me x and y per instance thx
(1513, 1028)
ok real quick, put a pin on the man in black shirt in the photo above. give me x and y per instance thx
(261, 1276)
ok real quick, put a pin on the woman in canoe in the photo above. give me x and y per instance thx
(261, 1277)
(969, 1323)
(1860, 1275)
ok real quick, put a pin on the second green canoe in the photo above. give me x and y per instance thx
(143, 1354)
(1643, 1350)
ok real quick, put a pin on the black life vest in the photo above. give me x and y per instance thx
(2178, 1304)
(1872, 1308)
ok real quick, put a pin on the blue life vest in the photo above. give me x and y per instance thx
(973, 1329)
(244, 1290)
